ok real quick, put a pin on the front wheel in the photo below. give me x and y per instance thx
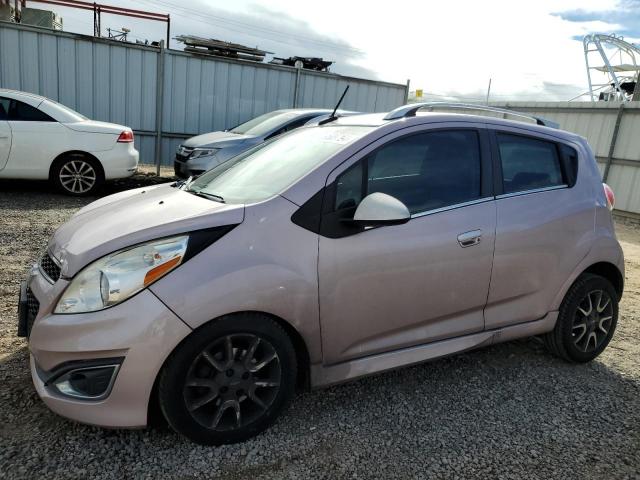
(586, 321)
(77, 175)
(229, 380)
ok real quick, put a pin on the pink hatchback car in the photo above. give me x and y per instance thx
(335, 251)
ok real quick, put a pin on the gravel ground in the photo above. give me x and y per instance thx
(509, 411)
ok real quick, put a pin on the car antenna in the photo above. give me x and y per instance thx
(333, 114)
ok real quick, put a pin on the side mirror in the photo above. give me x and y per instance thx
(377, 209)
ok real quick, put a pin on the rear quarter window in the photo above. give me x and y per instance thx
(528, 163)
(19, 111)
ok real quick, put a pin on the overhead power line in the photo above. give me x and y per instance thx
(247, 28)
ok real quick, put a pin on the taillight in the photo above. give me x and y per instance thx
(611, 198)
(126, 137)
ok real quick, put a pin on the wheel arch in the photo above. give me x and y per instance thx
(303, 382)
(610, 272)
(63, 155)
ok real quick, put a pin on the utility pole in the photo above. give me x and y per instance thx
(488, 91)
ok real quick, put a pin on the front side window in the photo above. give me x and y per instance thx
(528, 163)
(424, 171)
(19, 111)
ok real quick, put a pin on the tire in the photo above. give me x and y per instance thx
(77, 174)
(214, 394)
(587, 320)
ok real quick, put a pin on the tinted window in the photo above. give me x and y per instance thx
(19, 111)
(4, 108)
(349, 188)
(528, 163)
(425, 171)
(570, 160)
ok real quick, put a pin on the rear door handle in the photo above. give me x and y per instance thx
(469, 239)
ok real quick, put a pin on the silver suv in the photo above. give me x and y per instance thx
(332, 252)
(203, 152)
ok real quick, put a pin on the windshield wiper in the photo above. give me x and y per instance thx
(210, 196)
(183, 183)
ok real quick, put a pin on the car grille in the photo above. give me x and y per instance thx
(49, 267)
(32, 309)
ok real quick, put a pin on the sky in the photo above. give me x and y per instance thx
(531, 50)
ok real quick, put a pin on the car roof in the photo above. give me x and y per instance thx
(30, 98)
(305, 111)
(378, 120)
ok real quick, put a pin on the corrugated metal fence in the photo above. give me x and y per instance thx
(613, 131)
(165, 91)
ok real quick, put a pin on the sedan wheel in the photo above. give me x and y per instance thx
(77, 176)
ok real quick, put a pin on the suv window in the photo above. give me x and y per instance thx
(16, 110)
(287, 128)
(528, 163)
(425, 171)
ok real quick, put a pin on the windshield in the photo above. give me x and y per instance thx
(264, 124)
(273, 166)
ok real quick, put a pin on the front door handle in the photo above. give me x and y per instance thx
(469, 239)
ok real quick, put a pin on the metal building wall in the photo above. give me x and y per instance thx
(115, 82)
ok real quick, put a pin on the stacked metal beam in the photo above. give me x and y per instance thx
(218, 48)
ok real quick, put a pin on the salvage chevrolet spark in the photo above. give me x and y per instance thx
(335, 251)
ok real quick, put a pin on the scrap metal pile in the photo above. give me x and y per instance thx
(218, 48)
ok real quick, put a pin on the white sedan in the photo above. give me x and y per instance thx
(43, 140)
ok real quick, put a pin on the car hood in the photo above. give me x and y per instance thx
(93, 126)
(217, 140)
(128, 218)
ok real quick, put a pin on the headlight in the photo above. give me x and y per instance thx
(203, 152)
(116, 277)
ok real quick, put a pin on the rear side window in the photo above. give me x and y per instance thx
(570, 163)
(4, 108)
(19, 111)
(425, 171)
(528, 163)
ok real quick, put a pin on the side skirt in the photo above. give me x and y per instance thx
(322, 376)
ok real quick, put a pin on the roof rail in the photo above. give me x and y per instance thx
(410, 110)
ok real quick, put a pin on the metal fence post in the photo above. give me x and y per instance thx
(612, 145)
(296, 87)
(406, 92)
(159, 106)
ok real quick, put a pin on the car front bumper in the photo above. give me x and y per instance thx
(185, 168)
(140, 333)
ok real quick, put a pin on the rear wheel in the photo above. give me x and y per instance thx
(586, 321)
(229, 380)
(77, 174)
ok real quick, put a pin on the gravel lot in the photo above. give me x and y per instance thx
(509, 411)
